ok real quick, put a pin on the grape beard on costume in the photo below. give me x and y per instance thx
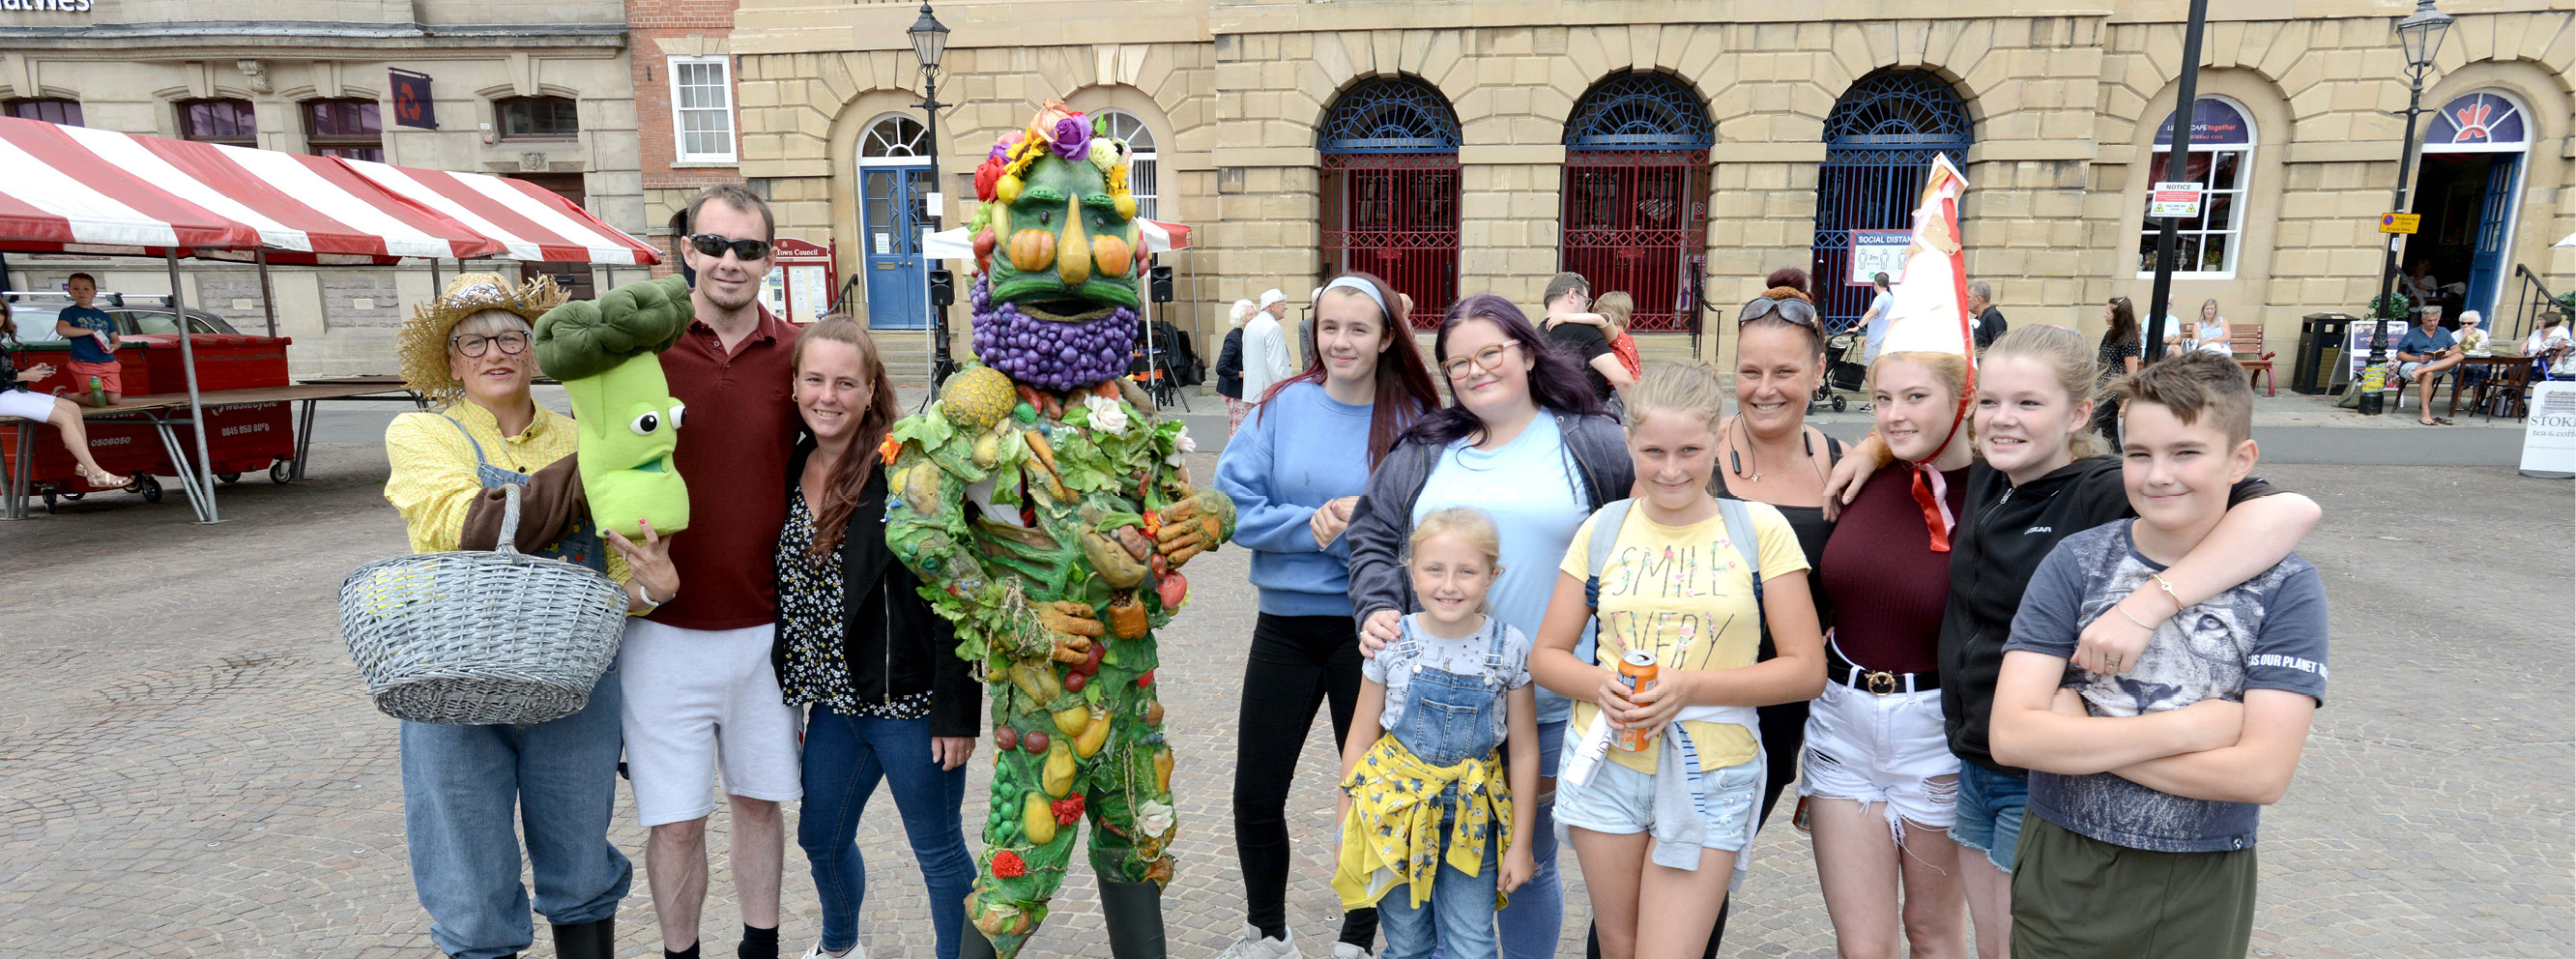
(1046, 508)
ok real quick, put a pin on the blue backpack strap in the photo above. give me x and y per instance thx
(1739, 530)
(1605, 536)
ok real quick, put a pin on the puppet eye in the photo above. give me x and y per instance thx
(645, 425)
(676, 410)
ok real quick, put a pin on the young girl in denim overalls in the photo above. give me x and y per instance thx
(1427, 805)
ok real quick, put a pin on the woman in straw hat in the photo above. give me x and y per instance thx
(467, 352)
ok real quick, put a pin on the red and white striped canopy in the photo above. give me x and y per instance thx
(529, 222)
(58, 197)
(307, 209)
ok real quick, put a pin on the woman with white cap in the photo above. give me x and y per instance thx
(1229, 367)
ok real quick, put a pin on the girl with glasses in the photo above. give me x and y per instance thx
(1527, 442)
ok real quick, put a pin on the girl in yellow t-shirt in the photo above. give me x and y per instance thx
(1660, 830)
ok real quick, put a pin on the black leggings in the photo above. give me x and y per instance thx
(2106, 418)
(1296, 662)
(1784, 745)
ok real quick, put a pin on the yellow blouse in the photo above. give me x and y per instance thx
(433, 477)
(1392, 834)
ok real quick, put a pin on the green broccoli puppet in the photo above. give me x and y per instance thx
(604, 352)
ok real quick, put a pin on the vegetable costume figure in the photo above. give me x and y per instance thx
(1047, 511)
(605, 352)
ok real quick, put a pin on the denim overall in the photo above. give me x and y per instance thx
(462, 784)
(1448, 719)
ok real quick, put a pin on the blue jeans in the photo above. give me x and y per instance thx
(460, 787)
(1458, 921)
(845, 757)
(1536, 916)
(1990, 810)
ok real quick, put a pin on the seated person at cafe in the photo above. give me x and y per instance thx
(2423, 355)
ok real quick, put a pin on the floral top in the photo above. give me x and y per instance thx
(810, 627)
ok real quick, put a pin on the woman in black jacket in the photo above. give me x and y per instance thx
(890, 699)
(1229, 369)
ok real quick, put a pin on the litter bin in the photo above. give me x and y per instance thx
(2321, 339)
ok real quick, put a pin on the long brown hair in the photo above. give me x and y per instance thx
(849, 480)
(1404, 389)
(8, 326)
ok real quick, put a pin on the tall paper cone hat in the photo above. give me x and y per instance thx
(1930, 313)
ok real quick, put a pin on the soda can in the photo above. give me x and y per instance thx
(1637, 672)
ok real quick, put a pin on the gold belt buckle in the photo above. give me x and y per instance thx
(1881, 683)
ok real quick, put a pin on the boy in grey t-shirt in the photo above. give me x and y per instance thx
(2147, 782)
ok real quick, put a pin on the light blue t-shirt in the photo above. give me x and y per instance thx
(1878, 310)
(1530, 490)
(1300, 450)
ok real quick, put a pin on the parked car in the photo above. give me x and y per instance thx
(135, 313)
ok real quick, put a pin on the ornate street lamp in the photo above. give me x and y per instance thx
(2421, 33)
(929, 43)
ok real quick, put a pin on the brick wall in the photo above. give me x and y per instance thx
(657, 30)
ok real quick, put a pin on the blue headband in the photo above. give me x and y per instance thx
(1355, 283)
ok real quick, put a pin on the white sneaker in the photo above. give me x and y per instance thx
(1344, 950)
(858, 950)
(1254, 946)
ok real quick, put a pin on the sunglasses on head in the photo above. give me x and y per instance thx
(1792, 309)
(710, 244)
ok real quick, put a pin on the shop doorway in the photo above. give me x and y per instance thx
(894, 179)
(2467, 185)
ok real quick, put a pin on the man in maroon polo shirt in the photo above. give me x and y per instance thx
(696, 671)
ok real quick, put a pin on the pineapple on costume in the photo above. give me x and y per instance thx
(1046, 509)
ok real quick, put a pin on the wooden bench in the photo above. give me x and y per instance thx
(2245, 342)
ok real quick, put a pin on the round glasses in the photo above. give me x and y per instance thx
(474, 345)
(1491, 358)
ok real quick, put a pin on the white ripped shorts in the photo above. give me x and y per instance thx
(1877, 749)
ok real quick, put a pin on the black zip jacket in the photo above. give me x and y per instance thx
(892, 641)
(1994, 552)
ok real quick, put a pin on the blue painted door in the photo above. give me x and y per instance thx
(890, 234)
(2486, 272)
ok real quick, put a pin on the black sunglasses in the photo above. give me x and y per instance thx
(711, 244)
(1792, 309)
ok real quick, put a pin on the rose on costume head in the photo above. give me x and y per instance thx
(986, 176)
(1106, 415)
(1072, 139)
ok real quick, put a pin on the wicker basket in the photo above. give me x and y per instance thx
(472, 638)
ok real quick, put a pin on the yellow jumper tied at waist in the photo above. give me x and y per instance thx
(1392, 835)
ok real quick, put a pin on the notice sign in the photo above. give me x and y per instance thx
(2399, 222)
(1878, 251)
(2356, 346)
(2175, 199)
(2549, 435)
(412, 104)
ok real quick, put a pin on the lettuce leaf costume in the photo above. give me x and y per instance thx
(605, 351)
(1047, 512)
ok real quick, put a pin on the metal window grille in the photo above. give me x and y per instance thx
(1391, 188)
(219, 121)
(1879, 143)
(1636, 195)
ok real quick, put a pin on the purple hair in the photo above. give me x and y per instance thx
(1556, 380)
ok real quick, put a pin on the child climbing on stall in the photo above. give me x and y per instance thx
(1428, 806)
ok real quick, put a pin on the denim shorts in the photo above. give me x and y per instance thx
(1990, 808)
(1621, 801)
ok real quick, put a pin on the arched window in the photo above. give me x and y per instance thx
(538, 118)
(1879, 143)
(2465, 189)
(2218, 155)
(895, 137)
(1143, 173)
(219, 121)
(49, 109)
(1390, 198)
(1636, 194)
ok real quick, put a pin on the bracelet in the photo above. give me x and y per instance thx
(2179, 605)
(2124, 614)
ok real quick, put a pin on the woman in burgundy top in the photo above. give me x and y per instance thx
(1880, 782)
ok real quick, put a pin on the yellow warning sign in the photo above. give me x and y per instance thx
(2399, 222)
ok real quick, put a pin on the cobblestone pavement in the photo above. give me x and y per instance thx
(189, 767)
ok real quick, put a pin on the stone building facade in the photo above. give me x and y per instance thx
(540, 92)
(1698, 145)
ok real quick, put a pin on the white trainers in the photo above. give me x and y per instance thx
(858, 950)
(1344, 950)
(1254, 946)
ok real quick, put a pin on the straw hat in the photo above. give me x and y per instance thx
(421, 347)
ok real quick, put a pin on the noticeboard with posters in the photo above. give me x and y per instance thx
(2356, 346)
